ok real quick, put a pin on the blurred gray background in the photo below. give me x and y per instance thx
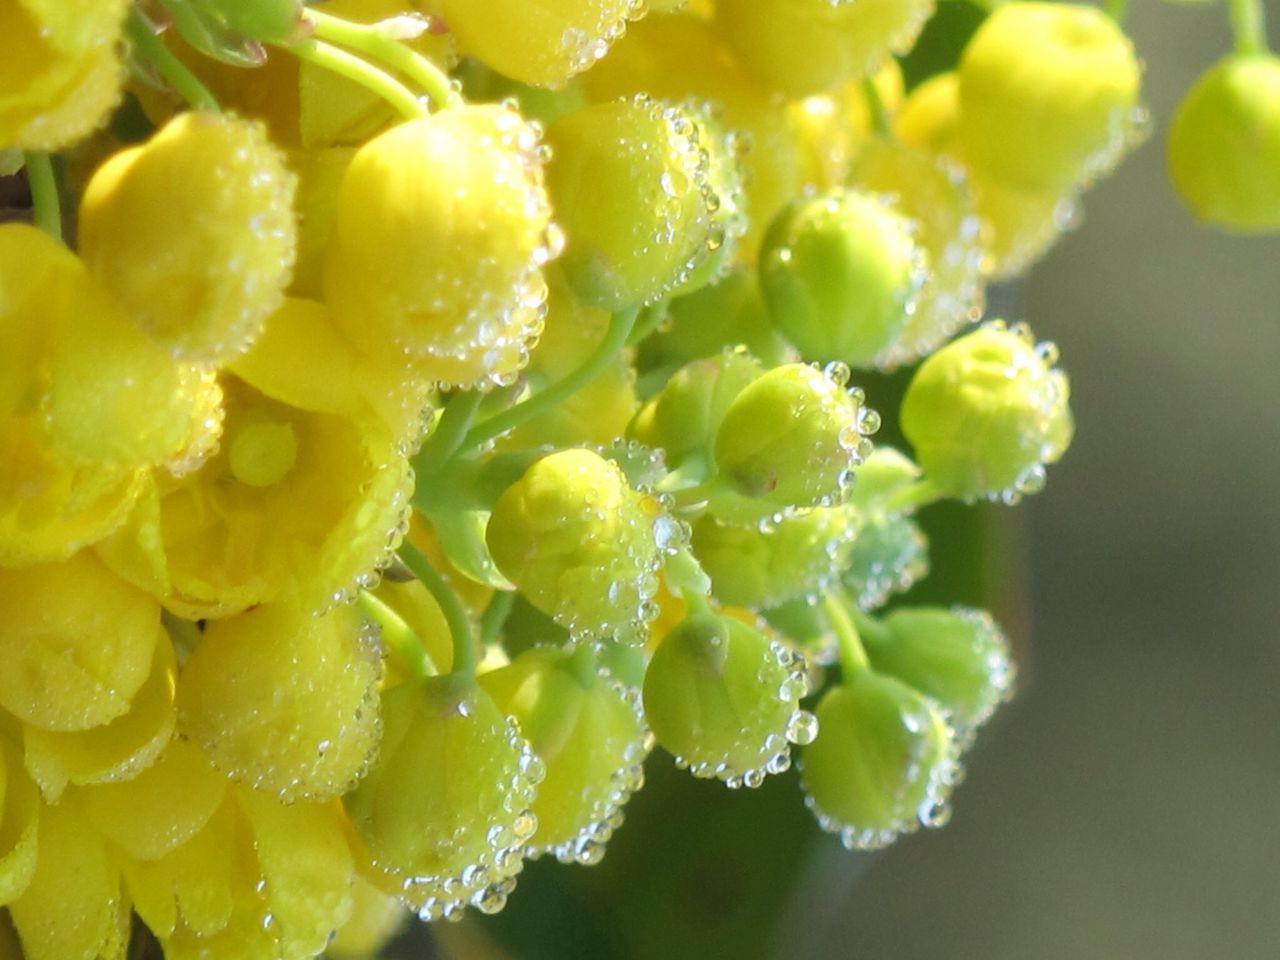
(1127, 805)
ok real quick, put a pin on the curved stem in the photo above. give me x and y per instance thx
(648, 320)
(615, 339)
(450, 432)
(358, 71)
(379, 41)
(495, 615)
(398, 635)
(910, 498)
(1249, 25)
(455, 614)
(152, 49)
(46, 204)
(875, 105)
(853, 657)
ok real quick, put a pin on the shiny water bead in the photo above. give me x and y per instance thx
(240, 530)
(987, 412)
(580, 544)
(544, 43)
(1224, 144)
(723, 699)
(591, 735)
(73, 908)
(445, 809)
(117, 750)
(793, 437)
(161, 808)
(375, 918)
(957, 657)
(765, 565)
(1048, 95)
(600, 411)
(810, 46)
(883, 762)
(683, 417)
(77, 643)
(284, 701)
(683, 56)
(19, 816)
(630, 181)
(201, 271)
(447, 269)
(62, 70)
(1019, 226)
(934, 194)
(840, 272)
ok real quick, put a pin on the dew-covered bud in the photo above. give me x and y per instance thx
(202, 271)
(792, 437)
(1048, 95)
(1224, 144)
(284, 701)
(62, 70)
(631, 184)
(20, 816)
(723, 699)
(957, 657)
(580, 544)
(987, 412)
(889, 554)
(764, 565)
(441, 230)
(445, 810)
(589, 732)
(544, 43)
(840, 271)
(883, 762)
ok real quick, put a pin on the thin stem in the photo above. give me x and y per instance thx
(910, 498)
(1249, 24)
(615, 338)
(46, 204)
(379, 41)
(584, 665)
(875, 105)
(450, 432)
(358, 71)
(650, 318)
(495, 615)
(870, 630)
(398, 635)
(455, 614)
(853, 658)
(152, 49)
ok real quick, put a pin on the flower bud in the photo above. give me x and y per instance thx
(840, 272)
(1224, 144)
(987, 412)
(270, 21)
(580, 544)
(884, 761)
(889, 554)
(724, 700)
(793, 436)
(1048, 95)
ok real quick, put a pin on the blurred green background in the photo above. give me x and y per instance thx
(1124, 806)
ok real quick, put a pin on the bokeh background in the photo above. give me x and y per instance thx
(1127, 804)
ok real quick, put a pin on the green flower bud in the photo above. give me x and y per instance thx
(591, 735)
(760, 566)
(889, 554)
(581, 545)
(959, 658)
(1048, 95)
(683, 418)
(1224, 144)
(793, 437)
(840, 272)
(445, 810)
(883, 762)
(630, 184)
(987, 412)
(724, 700)
(884, 473)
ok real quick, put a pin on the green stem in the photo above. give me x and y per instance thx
(1117, 10)
(358, 71)
(152, 49)
(46, 204)
(910, 498)
(495, 615)
(584, 665)
(615, 338)
(650, 318)
(875, 104)
(853, 658)
(1249, 24)
(688, 499)
(685, 575)
(451, 430)
(870, 630)
(398, 635)
(455, 614)
(376, 42)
